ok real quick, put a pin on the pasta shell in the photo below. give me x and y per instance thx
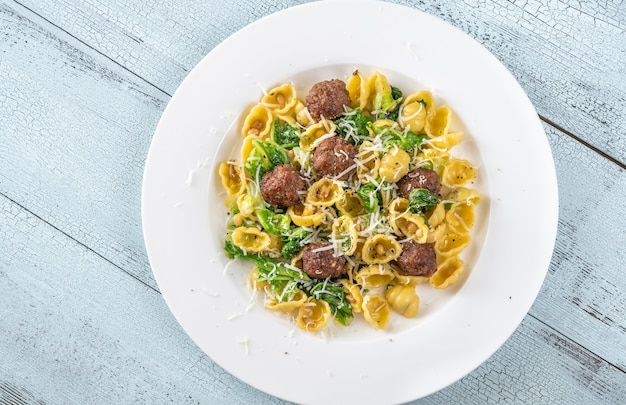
(376, 311)
(250, 239)
(324, 193)
(380, 249)
(258, 122)
(298, 299)
(414, 111)
(403, 299)
(233, 178)
(313, 315)
(359, 90)
(457, 173)
(438, 122)
(316, 133)
(373, 276)
(280, 100)
(447, 273)
(306, 215)
(394, 165)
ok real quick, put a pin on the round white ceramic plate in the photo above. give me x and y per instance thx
(458, 328)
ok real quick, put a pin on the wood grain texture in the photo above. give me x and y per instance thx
(75, 134)
(78, 301)
(585, 289)
(562, 52)
(76, 330)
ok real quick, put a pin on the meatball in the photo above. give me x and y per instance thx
(318, 261)
(419, 178)
(326, 99)
(282, 186)
(334, 157)
(418, 259)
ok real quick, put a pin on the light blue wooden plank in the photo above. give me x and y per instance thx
(75, 133)
(79, 166)
(76, 330)
(584, 295)
(538, 366)
(568, 55)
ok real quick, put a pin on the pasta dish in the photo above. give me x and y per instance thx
(346, 199)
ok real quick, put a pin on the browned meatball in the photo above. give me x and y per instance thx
(326, 99)
(282, 186)
(418, 259)
(333, 157)
(318, 261)
(419, 178)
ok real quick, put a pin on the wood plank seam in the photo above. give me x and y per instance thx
(91, 48)
(583, 142)
(529, 314)
(572, 341)
(77, 241)
(543, 118)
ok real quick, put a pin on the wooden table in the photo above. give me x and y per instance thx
(83, 84)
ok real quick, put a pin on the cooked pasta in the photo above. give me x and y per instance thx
(351, 226)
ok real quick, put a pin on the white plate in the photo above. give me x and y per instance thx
(458, 328)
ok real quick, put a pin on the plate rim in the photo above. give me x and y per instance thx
(146, 185)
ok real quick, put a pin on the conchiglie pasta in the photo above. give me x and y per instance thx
(410, 225)
(376, 311)
(368, 161)
(233, 178)
(451, 244)
(345, 233)
(360, 218)
(380, 249)
(298, 299)
(447, 273)
(438, 122)
(403, 299)
(457, 172)
(302, 114)
(445, 142)
(379, 89)
(404, 279)
(394, 165)
(247, 147)
(315, 134)
(359, 90)
(258, 122)
(414, 110)
(306, 215)
(466, 195)
(398, 206)
(353, 294)
(250, 239)
(273, 249)
(436, 158)
(280, 99)
(351, 204)
(375, 275)
(313, 315)
(460, 218)
(437, 215)
(324, 193)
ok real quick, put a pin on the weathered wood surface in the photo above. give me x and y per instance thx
(76, 329)
(83, 86)
(568, 55)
